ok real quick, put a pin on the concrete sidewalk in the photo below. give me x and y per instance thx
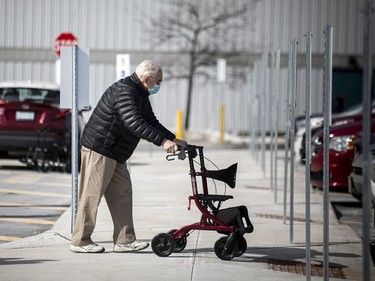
(161, 189)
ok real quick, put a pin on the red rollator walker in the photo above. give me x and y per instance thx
(233, 222)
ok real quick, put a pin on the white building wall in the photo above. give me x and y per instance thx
(108, 27)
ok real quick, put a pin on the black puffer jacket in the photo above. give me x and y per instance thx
(121, 118)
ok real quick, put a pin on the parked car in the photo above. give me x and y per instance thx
(341, 155)
(344, 119)
(355, 179)
(317, 118)
(32, 126)
(351, 114)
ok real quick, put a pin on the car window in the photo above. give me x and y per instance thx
(29, 95)
(9, 95)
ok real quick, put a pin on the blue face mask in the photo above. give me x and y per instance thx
(154, 90)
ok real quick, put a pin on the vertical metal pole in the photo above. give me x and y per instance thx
(254, 110)
(252, 120)
(272, 120)
(366, 129)
(222, 110)
(292, 135)
(327, 91)
(74, 136)
(263, 99)
(251, 93)
(308, 155)
(255, 113)
(287, 131)
(259, 95)
(277, 69)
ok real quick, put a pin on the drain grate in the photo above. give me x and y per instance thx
(258, 187)
(300, 268)
(278, 217)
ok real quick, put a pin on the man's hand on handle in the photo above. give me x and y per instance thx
(181, 143)
(172, 146)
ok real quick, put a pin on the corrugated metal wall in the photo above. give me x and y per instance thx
(281, 21)
(29, 27)
(119, 25)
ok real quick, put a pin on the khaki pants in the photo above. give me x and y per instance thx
(100, 176)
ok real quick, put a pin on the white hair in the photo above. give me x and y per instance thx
(147, 68)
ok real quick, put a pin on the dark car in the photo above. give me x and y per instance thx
(341, 154)
(32, 126)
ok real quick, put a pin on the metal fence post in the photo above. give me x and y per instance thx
(308, 154)
(251, 123)
(327, 91)
(254, 120)
(255, 108)
(259, 95)
(292, 134)
(287, 132)
(277, 69)
(74, 136)
(366, 129)
(272, 107)
(263, 112)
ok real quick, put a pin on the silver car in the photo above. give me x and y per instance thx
(356, 177)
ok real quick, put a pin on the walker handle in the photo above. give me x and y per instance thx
(190, 150)
(181, 154)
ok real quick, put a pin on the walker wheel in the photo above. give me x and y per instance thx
(242, 246)
(225, 254)
(180, 243)
(163, 244)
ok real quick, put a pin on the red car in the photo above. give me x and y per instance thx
(341, 155)
(32, 126)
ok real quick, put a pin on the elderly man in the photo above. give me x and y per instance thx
(121, 118)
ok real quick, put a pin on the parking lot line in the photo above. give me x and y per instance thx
(14, 191)
(9, 238)
(31, 221)
(24, 179)
(57, 184)
(7, 204)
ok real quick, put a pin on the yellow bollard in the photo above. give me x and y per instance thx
(222, 123)
(180, 130)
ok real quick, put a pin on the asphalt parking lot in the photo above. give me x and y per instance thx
(31, 201)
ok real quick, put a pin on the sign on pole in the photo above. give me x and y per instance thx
(67, 65)
(64, 39)
(122, 66)
(221, 70)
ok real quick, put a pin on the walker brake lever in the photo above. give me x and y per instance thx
(182, 154)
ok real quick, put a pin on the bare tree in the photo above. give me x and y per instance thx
(205, 31)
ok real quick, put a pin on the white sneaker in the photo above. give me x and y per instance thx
(130, 247)
(90, 248)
